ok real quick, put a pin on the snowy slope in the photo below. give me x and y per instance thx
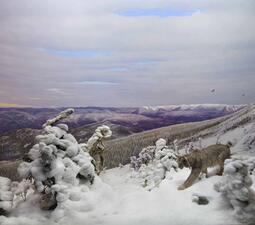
(239, 129)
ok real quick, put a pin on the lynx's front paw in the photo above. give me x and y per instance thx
(181, 187)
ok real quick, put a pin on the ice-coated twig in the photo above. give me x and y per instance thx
(64, 114)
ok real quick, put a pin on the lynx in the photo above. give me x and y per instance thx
(200, 160)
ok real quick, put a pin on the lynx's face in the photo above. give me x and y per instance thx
(182, 162)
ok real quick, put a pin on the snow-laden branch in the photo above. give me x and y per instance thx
(236, 188)
(63, 115)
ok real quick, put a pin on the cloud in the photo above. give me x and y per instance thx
(152, 52)
(97, 83)
(56, 90)
(77, 53)
(157, 12)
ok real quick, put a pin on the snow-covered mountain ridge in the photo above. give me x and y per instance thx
(229, 108)
(135, 118)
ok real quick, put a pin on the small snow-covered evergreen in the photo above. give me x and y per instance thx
(148, 154)
(6, 195)
(153, 164)
(144, 157)
(249, 140)
(57, 163)
(236, 188)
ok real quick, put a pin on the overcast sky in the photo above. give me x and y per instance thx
(126, 52)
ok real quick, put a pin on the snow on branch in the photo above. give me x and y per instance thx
(95, 146)
(235, 186)
(63, 115)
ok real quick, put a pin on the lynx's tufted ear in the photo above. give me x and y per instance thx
(182, 162)
(229, 144)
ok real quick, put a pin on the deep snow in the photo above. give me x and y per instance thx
(117, 198)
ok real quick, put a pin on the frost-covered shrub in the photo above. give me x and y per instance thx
(236, 188)
(20, 189)
(193, 145)
(6, 195)
(251, 165)
(249, 140)
(135, 163)
(95, 146)
(101, 133)
(56, 163)
(160, 161)
(176, 146)
(147, 154)
(189, 147)
(144, 157)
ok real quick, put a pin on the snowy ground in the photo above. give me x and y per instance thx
(165, 205)
(120, 199)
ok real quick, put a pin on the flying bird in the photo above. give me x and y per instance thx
(213, 90)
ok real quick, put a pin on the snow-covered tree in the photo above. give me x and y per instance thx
(249, 140)
(6, 195)
(251, 165)
(176, 146)
(144, 157)
(154, 169)
(147, 154)
(95, 146)
(236, 188)
(56, 163)
(160, 144)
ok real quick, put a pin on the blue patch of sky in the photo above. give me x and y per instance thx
(147, 62)
(96, 82)
(157, 12)
(119, 69)
(134, 65)
(76, 53)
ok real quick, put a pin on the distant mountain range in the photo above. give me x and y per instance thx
(136, 119)
(19, 126)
